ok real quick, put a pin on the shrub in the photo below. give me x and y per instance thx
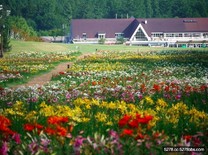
(101, 41)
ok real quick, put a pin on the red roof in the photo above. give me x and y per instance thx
(127, 26)
(94, 26)
(175, 25)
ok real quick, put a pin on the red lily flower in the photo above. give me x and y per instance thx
(123, 121)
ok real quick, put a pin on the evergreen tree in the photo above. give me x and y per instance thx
(156, 8)
(6, 37)
(149, 11)
(141, 12)
(4, 29)
(166, 8)
(202, 8)
(66, 10)
(100, 9)
(115, 8)
(52, 14)
(45, 16)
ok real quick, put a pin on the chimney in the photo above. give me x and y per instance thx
(127, 15)
(116, 16)
(145, 22)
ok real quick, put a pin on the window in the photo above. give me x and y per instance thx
(205, 35)
(187, 35)
(192, 35)
(169, 35)
(119, 35)
(84, 36)
(196, 35)
(157, 35)
(101, 35)
(140, 35)
(178, 34)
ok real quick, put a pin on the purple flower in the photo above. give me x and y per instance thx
(68, 96)
(77, 144)
(45, 142)
(113, 134)
(33, 147)
(4, 149)
(9, 103)
(16, 138)
(34, 99)
(167, 96)
(148, 145)
(78, 141)
(55, 100)
(178, 97)
(140, 96)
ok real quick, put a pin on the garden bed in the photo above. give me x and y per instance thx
(112, 103)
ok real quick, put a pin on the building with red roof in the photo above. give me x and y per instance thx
(137, 31)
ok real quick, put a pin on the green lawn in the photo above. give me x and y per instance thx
(19, 46)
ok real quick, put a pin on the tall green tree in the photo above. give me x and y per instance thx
(141, 9)
(181, 8)
(165, 8)
(115, 9)
(52, 14)
(15, 7)
(20, 28)
(156, 8)
(30, 12)
(100, 9)
(65, 10)
(4, 29)
(45, 16)
(202, 8)
(149, 10)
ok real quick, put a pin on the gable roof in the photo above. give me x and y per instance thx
(128, 32)
(175, 25)
(128, 26)
(94, 26)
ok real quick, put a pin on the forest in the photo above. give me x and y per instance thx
(45, 15)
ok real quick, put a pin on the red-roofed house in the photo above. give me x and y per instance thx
(152, 31)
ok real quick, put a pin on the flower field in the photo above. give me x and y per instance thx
(119, 102)
(19, 67)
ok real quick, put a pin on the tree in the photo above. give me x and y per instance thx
(202, 8)
(45, 15)
(181, 8)
(4, 29)
(156, 8)
(65, 10)
(20, 28)
(140, 12)
(100, 9)
(149, 11)
(165, 8)
(114, 8)
(6, 37)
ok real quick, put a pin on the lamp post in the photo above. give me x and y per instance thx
(2, 26)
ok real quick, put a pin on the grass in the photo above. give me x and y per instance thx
(28, 76)
(19, 46)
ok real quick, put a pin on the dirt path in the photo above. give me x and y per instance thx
(45, 78)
